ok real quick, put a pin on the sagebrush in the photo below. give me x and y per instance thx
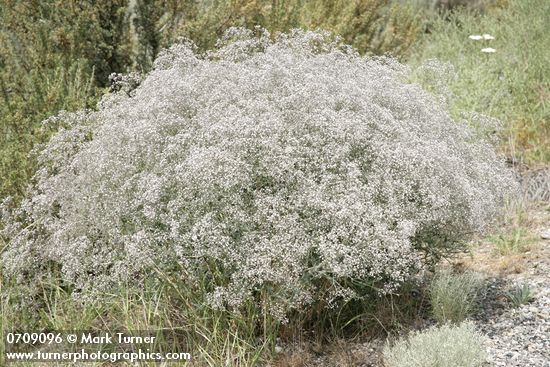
(445, 346)
(279, 171)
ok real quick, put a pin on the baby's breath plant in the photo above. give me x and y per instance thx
(277, 171)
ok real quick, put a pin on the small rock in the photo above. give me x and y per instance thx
(545, 235)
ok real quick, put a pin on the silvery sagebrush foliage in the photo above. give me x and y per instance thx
(444, 346)
(262, 165)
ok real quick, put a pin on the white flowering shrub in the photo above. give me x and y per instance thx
(261, 167)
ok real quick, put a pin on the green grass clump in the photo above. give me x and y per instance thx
(510, 84)
(174, 312)
(453, 296)
(515, 241)
(446, 346)
(520, 295)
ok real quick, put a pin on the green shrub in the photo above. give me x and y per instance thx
(446, 346)
(371, 26)
(54, 55)
(454, 296)
(443, 6)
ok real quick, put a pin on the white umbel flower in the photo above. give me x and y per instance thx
(488, 37)
(475, 37)
(488, 50)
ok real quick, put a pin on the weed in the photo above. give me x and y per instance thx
(520, 295)
(515, 241)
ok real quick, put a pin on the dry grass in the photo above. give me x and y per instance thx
(501, 258)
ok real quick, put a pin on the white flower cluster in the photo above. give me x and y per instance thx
(265, 166)
(485, 37)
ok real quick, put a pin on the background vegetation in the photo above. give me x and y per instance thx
(511, 84)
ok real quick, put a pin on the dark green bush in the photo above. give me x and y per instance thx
(54, 55)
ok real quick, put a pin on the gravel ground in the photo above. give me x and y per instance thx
(521, 336)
